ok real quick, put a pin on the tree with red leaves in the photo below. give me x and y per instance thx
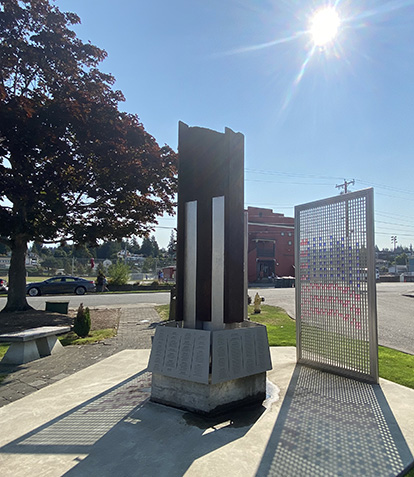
(72, 166)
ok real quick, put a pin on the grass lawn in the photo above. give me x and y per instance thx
(281, 331)
(93, 336)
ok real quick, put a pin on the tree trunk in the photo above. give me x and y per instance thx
(16, 298)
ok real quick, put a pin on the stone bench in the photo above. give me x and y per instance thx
(32, 344)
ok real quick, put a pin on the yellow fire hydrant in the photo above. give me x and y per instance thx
(257, 303)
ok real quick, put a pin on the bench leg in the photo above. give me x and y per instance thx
(48, 345)
(21, 352)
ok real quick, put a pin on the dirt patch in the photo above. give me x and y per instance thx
(101, 318)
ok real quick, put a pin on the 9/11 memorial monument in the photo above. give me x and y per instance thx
(211, 359)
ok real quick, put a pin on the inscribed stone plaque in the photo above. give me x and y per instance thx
(262, 353)
(156, 360)
(181, 353)
(239, 353)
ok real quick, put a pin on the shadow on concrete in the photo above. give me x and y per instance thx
(331, 425)
(120, 432)
(77, 430)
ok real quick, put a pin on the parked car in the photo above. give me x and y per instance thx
(3, 285)
(61, 284)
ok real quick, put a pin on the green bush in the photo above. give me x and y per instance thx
(82, 324)
(119, 273)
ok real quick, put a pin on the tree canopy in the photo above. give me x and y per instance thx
(72, 166)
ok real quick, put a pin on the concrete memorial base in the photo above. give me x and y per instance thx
(208, 399)
(209, 371)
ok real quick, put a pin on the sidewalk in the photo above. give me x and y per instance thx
(93, 417)
(99, 422)
(136, 327)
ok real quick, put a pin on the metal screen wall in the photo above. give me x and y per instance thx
(336, 323)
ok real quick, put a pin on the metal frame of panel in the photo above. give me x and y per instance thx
(190, 264)
(336, 313)
(217, 265)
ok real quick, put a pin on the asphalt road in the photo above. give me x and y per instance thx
(102, 299)
(395, 311)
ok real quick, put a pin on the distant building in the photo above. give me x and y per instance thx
(270, 250)
(169, 273)
(32, 260)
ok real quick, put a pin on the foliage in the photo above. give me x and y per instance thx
(172, 244)
(119, 273)
(93, 336)
(4, 249)
(133, 246)
(163, 311)
(401, 259)
(82, 322)
(52, 263)
(3, 349)
(149, 265)
(72, 166)
(149, 247)
(108, 250)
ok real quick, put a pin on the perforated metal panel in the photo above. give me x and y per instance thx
(336, 319)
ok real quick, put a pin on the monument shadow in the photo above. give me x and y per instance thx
(334, 425)
(120, 432)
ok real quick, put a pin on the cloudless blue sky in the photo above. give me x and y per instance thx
(311, 117)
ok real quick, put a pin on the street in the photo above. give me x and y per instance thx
(112, 300)
(395, 311)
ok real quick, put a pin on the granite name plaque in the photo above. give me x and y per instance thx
(238, 353)
(181, 353)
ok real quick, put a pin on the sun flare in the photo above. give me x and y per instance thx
(324, 26)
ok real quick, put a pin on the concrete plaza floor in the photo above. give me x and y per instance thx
(100, 422)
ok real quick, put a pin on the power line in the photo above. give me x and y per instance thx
(332, 178)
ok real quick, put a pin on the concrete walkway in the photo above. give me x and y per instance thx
(136, 326)
(99, 422)
(87, 412)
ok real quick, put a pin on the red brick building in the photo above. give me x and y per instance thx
(270, 247)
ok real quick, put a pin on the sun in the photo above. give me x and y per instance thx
(324, 26)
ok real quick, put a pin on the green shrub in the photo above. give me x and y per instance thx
(119, 273)
(82, 324)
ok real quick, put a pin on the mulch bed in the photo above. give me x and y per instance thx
(23, 320)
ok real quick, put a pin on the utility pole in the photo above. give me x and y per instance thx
(394, 240)
(345, 191)
(345, 185)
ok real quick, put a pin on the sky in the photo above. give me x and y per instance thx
(312, 115)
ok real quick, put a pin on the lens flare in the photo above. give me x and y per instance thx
(324, 26)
